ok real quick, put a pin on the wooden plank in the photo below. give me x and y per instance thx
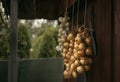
(116, 41)
(101, 70)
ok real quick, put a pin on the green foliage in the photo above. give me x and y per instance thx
(4, 42)
(24, 43)
(4, 38)
(44, 45)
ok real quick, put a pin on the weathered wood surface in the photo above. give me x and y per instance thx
(116, 41)
(101, 71)
(13, 61)
(36, 9)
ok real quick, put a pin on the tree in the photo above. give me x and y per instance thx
(4, 41)
(4, 35)
(24, 43)
(44, 46)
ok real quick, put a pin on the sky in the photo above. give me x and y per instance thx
(39, 22)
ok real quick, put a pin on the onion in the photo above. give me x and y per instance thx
(67, 24)
(66, 44)
(63, 55)
(80, 69)
(76, 46)
(71, 45)
(74, 74)
(65, 50)
(78, 35)
(87, 67)
(67, 68)
(68, 56)
(67, 28)
(76, 55)
(61, 47)
(63, 39)
(72, 58)
(60, 30)
(60, 19)
(76, 43)
(64, 20)
(88, 40)
(84, 61)
(71, 41)
(81, 46)
(57, 48)
(59, 35)
(81, 52)
(67, 65)
(77, 62)
(63, 32)
(67, 74)
(59, 40)
(66, 61)
(80, 30)
(88, 51)
(61, 25)
(60, 44)
(73, 66)
(75, 51)
(78, 39)
(69, 53)
(70, 50)
(70, 36)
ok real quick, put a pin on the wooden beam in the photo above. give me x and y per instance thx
(48, 9)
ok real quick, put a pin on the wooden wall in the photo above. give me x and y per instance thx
(102, 70)
(107, 30)
(116, 41)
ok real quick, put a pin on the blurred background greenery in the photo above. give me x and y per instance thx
(36, 38)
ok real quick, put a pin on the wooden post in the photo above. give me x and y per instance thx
(12, 61)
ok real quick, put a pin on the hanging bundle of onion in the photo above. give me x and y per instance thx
(62, 33)
(75, 47)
